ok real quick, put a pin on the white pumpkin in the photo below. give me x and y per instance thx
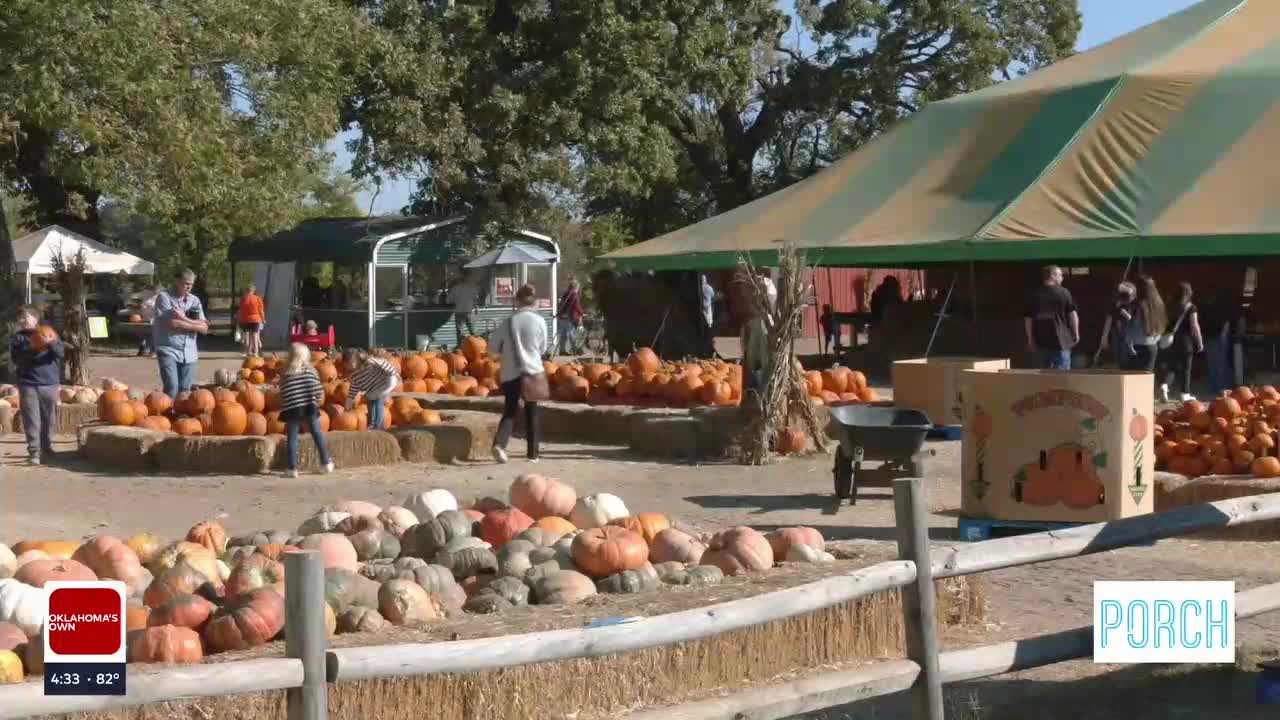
(23, 605)
(224, 572)
(8, 562)
(85, 396)
(356, 507)
(397, 519)
(223, 377)
(66, 394)
(322, 522)
(427, 505)
(593, 511)
(808, 554)
(113, 384)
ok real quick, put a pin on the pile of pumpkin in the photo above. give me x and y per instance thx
(1235, 434)
(646, 380)
(838, 386)
(405, 565)
(67, 394)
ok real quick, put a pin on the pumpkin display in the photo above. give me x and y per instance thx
(647, 525)
(258, 570)
(674, 545)
(597, 510)
(563, 587)
(22, 605)
(782, 539)
(165, 644)
(603, 551)
(229, 418)
(335, 548)
(498, 527)
(186, 610)
(404, 602)
(181, 579)
(119, 412)
(210, 535)
(539, 496)
(247, 620)
(158, 403)
(427, 505)
(38, 572)
(739, 550)
(111, 559)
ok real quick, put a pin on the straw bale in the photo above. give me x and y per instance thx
(8, 418)
(122, 448)
(462, 436)
(215, 454)
(346, 449)
(68, 418)
(670, 437)
(1173, 491)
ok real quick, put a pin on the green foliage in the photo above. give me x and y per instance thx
(657, 113)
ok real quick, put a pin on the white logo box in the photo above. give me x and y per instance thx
(122, 593)
(1164, 622)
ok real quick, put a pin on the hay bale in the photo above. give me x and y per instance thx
(669, 437)
(462, 436)
(8, 418)
(213, 454)
(122, 448)
(346, 449)
(492, 404)
(1173, 491)
(66, 421)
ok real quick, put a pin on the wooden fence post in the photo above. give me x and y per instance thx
(305, 636)
(919, 604)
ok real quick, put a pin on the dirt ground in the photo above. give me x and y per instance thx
(72, 499)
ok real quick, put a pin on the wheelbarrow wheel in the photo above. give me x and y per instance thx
(842, 473)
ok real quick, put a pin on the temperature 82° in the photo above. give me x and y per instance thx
(106, 678)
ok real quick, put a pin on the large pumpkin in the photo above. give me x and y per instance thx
(644, 360)
(474, 348)
(158, 403)
(252, 399)
(604, 551)
(38, 572)
(229, 418)
(165, 644)
(42, 338)
(336, 549)
(647, 525)
(597, 510)
(673, 545)
(188, 426)
(782, 539)
(256, 571)
(210, 535)
(555, 525)
(111, 559)
(246, 621)
(181, 579)
(200, 402)
(498, 527)
(792, 441)
(23, 605)
(739, 550)
(185, 610)
(120, 412)
(539, 496)
(255, 424)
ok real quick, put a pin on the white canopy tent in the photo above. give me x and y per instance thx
(36, 253)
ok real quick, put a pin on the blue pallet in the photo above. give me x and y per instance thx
(979, 529)
(946, 432)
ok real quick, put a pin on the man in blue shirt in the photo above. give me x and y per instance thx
(179, 318)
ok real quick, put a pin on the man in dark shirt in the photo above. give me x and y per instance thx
(1052, 323)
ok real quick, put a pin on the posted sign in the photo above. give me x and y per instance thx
(1164, 622)
(84, 638)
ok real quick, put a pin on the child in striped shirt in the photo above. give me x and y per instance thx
(376, 378)
(300, 396)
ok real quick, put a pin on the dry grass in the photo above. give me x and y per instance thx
(605, 686)
(223, 455)
(347, 449)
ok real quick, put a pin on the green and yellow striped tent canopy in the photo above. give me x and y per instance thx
(1161, 143)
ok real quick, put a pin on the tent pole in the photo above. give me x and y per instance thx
(973, 299)
(234, 311)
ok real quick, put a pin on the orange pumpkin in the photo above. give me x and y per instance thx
(345, 422)
(275, 426)
(474, 348)
(1263, 467)
(200, 402)
(229, 418)
(813, 382)
(427, 417)
(252, 399)
(1243, 461)
(210, 535)
(642, 361)
(327, 371)
(323, 419)
(42, 338)
(120, 412)
(498, 527)
(272, 400)
(716, 392)
(256, 424)
(1226, 407)
(415, 367)
(555, 524)
(647, 525)
(157, 423)
(224, 395)
(135, 617)
(792, 441)
(158, 403)
(604, 551)
(836, 380)
(188, 426)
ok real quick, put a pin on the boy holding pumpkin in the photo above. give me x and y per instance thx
(37, 354)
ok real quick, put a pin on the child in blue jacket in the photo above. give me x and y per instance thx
(39, 373)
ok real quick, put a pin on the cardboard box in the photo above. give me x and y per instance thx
(934, 385)
(1057, 446)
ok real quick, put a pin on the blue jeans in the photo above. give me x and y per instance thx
(175, 376)
(376, 411)
(1055, 359)
(1218, 356)
(567, 338)
(291, 436)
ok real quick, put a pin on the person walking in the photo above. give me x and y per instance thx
(1148, 323)
(463, 298)
(376, 378)
(569, 314)
(1115, 327)
(1186, 342)
(1051, 322)
(252, 317)
(39, 371)
(300, 396)
(1222, 323)
(179, 319)
(521, 342)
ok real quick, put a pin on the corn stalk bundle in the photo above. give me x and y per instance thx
(783, 397)
(69, 276)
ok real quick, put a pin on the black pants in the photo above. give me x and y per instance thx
(511, 393)
(1178, 362)
(1143, 359)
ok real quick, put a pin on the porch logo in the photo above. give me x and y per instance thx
(1164, 622)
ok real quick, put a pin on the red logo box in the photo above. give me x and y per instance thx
(84, 621)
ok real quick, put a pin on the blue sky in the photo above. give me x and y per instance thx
(1103, 21)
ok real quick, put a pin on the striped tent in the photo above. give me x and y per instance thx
(1161, 143)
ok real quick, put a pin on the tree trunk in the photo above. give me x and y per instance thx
(9, 298)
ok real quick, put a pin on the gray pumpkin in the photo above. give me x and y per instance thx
(540, 571)
(236, 554)
(667, 569)
(513, 558)
(696, 576)
(375, 544)
(468, 562)
(426, 539)
(223, 377)
(540, 537)
(510, 589)
(432, 578)
(451, 597)
(379, 571)
(339, 588)
(364, 592)
(629, 582)
(486, 604)
(360, 619)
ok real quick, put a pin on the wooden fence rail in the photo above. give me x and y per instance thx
(300, 673)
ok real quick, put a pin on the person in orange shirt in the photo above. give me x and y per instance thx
(251, 319)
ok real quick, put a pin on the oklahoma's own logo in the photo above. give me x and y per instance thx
(85, 621)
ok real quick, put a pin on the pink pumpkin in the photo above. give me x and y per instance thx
(38, 572)
(672, 545)
(782, 539)
(497, 528)
(540, 496)
(335, 548)
(739, 550)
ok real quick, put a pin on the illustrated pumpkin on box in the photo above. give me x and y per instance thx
(1057, 447)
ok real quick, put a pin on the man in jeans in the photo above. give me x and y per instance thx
(1051, 321)
(179, 318)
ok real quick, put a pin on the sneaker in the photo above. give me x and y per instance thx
(33, 458)
(533, 460)
(290, 474)
(1164, 393)
(328, 468)
(499, 455)
(1187, 397)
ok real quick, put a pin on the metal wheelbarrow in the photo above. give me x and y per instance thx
(892, 436)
